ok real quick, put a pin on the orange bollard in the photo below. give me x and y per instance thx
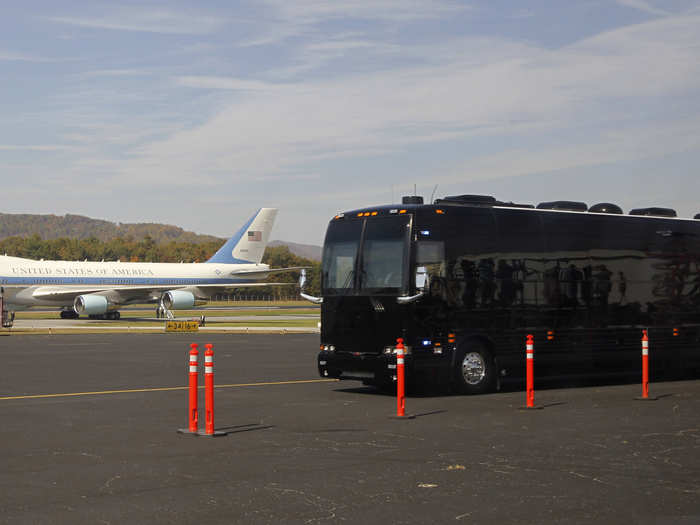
(193, 412)
(530, 374)
(209, 394)
(400, 386)
(645, 369)
(400, 382)
(645, 364)
(209, 389)
(530, 359)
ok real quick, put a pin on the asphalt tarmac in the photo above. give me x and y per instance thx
(88, 435)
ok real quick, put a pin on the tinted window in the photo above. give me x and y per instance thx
(384, 251)
(339, 255)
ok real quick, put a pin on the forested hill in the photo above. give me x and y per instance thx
(79, 227)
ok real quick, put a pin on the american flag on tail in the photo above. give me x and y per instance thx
(254, 236)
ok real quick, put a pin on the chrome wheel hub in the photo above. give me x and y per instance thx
(473, 368)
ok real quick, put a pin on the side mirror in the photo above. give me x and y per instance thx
(302, 282)
(422, 283)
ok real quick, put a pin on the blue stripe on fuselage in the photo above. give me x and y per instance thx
(36, 281)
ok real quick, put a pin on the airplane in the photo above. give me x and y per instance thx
(99, 289)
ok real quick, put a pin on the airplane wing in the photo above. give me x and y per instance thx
(259, 274)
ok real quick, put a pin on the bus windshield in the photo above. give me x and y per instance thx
(378, 246)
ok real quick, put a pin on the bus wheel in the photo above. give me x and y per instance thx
(475, 369)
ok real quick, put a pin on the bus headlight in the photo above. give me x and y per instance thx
(328, 348)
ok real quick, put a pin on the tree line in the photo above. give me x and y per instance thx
(148, 250)
(80, 227)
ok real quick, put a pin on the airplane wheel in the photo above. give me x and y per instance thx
(117, 315)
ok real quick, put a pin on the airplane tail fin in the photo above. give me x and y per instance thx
(248, 244)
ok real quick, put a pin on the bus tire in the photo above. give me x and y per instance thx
(475, 368)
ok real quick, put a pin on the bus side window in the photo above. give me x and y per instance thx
(431, 255)
(470, 264)
(567, 263)
(430, 252)
(519, 272)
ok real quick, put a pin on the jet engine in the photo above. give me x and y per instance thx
(180, 299)
(92, 304)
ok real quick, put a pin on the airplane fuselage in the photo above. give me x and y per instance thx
(22, 278)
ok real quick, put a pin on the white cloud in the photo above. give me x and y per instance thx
(12, 56)
(207, 82)
(36, 147)
(146, 20)
(289, 19)
(610, 147)
(115, 73)
(514, 89)
(643, 5)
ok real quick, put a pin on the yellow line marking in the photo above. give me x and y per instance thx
(164, 389)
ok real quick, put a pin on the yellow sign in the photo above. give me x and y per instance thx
(181, 326)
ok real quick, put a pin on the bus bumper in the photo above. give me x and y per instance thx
(380, 369)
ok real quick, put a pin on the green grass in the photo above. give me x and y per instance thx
(300, 323)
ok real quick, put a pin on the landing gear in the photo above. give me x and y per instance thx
(69, 314)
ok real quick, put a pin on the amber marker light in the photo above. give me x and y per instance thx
(402, 211)
(440, 212)
(550, 335)
(374, 213)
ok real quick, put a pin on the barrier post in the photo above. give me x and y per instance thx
(645, 364)
(193, 412)
(530, 373)
(400, 382)
(645, 368)
(530, 358)
(400, 386)
(209, 394)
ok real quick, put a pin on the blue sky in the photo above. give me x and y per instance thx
(198, 113)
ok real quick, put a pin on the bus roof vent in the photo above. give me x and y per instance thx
(514, 205)
(563, 205)
(473, 200)
(656, 212)
(412, 199)
(605, 207)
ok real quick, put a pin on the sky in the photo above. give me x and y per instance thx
(199, 113)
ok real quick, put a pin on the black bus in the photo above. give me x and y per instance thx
(464, 279)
